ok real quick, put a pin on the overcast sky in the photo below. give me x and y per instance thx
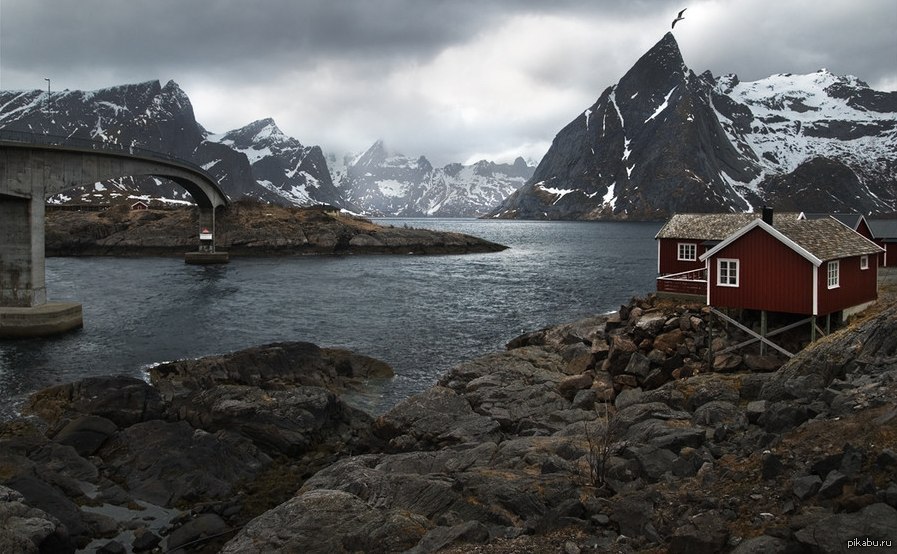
(455, 80)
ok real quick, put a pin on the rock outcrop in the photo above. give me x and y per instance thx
(624, 433)
(245, 228)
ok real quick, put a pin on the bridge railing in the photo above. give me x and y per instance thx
(87, 144)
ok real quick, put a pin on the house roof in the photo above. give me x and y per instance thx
(850, 219)
(712, 227)
(883, 228)
(817, 240)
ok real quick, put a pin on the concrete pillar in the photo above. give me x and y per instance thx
(206, 253)
(22, 281)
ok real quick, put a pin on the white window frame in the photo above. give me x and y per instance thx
(687, 252)
(731, 263)
(833, 274)
(864, 262)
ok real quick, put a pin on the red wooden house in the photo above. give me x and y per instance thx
(684, 238)
(813, 267)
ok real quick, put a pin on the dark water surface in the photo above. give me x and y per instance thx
(420, 314)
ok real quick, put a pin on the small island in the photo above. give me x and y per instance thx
(245, 228)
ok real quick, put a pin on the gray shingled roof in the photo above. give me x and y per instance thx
(713, 227)
(883, 228)
(852, 220)
(827, 239)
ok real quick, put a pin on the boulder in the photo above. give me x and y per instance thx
(168, 463)
(288, 422)
(119, 399)
(704, 533)
(433, 419)
(833, 533)
(28, 530)
(326, 522)
(86, 434)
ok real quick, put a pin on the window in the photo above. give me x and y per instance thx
(688, 252)
(727, 273)
(864, 262)
(834, 269)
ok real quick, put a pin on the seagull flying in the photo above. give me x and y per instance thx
(678, 18)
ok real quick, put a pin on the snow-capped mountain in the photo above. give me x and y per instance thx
(296, 173)
(256, 161)
(380, 182)
(665, 140)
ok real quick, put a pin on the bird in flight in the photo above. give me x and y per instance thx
(678, 18)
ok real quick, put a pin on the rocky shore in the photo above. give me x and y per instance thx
(609, 434)
(244, 228)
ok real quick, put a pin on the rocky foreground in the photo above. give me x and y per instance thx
(245, 228)
(604, 435)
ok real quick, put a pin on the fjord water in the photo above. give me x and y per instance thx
(420, 314)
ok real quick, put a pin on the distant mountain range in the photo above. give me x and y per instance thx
(665, 140)
(385, 183)
(257, 161)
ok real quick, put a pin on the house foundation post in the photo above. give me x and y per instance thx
(763, 328)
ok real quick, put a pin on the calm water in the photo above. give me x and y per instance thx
(420, 314)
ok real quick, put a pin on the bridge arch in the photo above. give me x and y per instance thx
(35, 167)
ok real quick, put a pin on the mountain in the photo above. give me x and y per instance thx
(380, 182)
(665, 140)
(282, 165)
(257, 161)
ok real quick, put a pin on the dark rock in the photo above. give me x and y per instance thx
(632, 514)
(621, 349)
(204, 526)
(440, 537)
(653, 461)
(122, 400)
(287, 422)
(831, 534)
(166, 463)
(704, 533)
(771, 466)
(755, 410)
(716, 412)
(145, 540)
(112, 547)
(833, 485)
(886, 458)
(764, 363)
(272, 366)
(434, 418)
(806, 486)
(328, 521)
(638, 365)
(783, 416)
(726, 362)
(669, 342)
(38, 494)
(86, 434)
(764, 544)
(569, 386)
(25, 529)
(827, 464)
(851, 461)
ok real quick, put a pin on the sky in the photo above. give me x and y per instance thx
(454, 80)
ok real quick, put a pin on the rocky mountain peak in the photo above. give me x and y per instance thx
(663, 140)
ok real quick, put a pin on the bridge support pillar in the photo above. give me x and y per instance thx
(24, 310)
(206, 254)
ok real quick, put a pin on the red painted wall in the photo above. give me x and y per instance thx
(856, 286)
(772, 276)
(669, 252)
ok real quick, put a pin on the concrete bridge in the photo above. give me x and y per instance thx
(35, 167)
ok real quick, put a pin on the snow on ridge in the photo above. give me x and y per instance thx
(609, 199)
(663, 105)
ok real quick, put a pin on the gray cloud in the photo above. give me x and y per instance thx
(452, 79)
